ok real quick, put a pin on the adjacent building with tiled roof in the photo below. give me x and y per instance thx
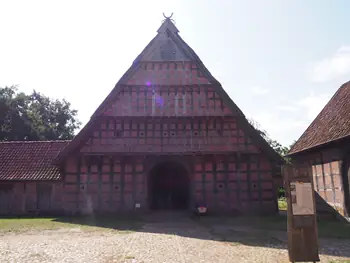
(167, 137)
(326, 146)
(29, 181)
(30, 160)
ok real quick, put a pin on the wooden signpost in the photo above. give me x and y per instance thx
(302, 223)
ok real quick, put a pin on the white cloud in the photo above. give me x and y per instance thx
(257, 90)
(287, 122)
(280, 127)
(344, 49)
(331, 67)
(313, 104)
(288, 108)
(75, 49)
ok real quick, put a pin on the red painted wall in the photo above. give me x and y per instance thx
(227, 183)
(160, 135)
(23, 199)
(235, 184)
(326, 168)
(166, 108)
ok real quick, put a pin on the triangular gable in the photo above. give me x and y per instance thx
(164, 49)
(188, 54)
(251, 131)
(168, 25)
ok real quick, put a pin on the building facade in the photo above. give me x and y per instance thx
(325, 148)
(167, 137)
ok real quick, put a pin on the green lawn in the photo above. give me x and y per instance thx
(119, 224)
(25, 224)
(333, 229)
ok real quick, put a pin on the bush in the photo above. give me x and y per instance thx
(281, 192)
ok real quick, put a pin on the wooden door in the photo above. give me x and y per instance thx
(346, 184)
(5, 198)
(44, 193)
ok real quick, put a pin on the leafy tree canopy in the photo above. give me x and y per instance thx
(35, 116)
(279, 148)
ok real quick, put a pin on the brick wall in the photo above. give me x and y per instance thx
(226, 183)
(24, 198)
(328, 178)
(104, 184)
(95, 184)
(165, 135)
(329, 184)
(236, 184)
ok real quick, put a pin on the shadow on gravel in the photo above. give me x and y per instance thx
(250, 231)
(119, 223)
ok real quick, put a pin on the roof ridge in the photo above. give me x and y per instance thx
(54, 141)
(168, 24)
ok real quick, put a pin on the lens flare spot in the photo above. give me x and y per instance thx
(159, 101)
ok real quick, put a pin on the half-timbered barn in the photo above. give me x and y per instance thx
(325, 148)
(166, 137)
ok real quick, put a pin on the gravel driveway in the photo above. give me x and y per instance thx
(180, 240)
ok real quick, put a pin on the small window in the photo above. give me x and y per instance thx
(118, 134)
(221, 186)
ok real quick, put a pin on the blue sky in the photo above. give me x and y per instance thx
(280, 61)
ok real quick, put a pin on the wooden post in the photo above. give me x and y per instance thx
(302, 223)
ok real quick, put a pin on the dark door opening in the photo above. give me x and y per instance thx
(6, 197)
(44, 192)
(346, 183)
(169, 187)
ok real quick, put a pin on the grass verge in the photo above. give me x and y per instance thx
(91, 223)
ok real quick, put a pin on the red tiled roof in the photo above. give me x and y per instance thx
(29, 160)
(331, 124)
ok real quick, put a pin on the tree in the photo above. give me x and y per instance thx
(279, 148)
(35, 116)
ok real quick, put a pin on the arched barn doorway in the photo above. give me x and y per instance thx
(169, 187)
